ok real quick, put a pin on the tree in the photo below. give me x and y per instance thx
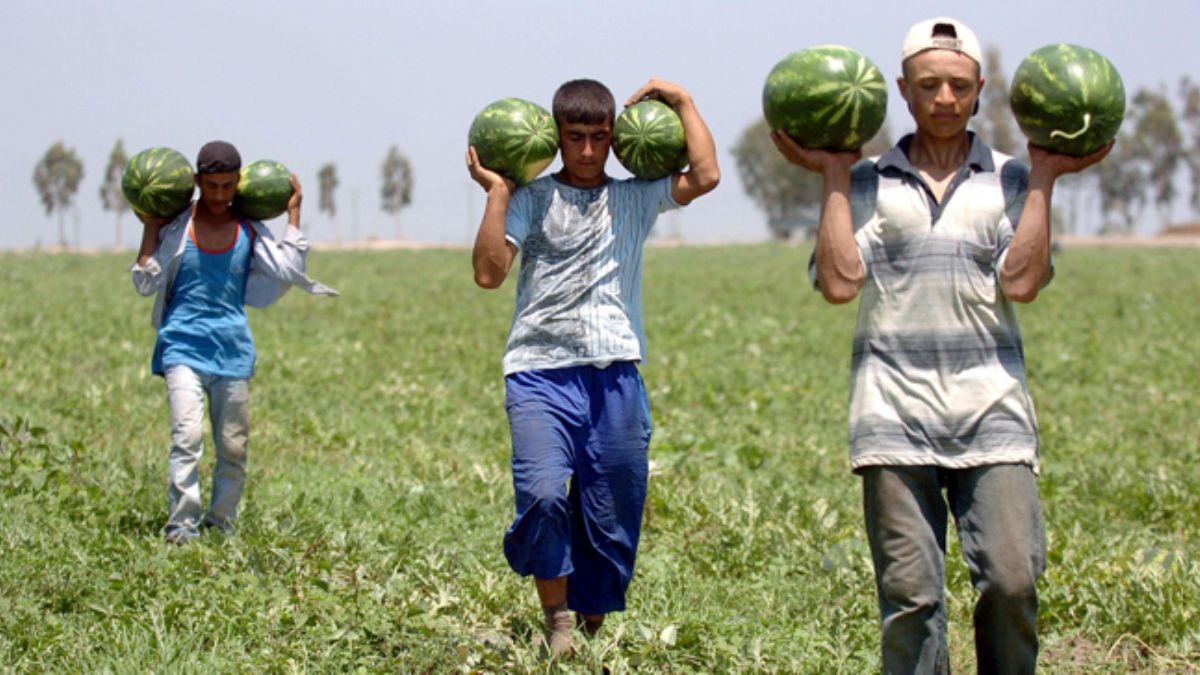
(789, 195)
(397, 184)
(328, 178)
(1190, 93)
(1122, 185)
(995, 119)
(111, 197)
(57, 177)
(1158, 143)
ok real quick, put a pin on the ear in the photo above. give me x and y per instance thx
(902, 85)
(978, 97)
(196, 177)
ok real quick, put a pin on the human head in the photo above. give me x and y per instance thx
(941, 79)
(584, 111)
(217, 172)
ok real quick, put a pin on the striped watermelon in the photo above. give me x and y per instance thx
(514, 138)
(1068, 99)
(158, 182)
(649, 141)
(263, 190)
(830, 98)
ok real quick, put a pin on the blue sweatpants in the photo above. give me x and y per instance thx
(589, 427)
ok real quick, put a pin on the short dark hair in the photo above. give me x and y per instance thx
(584, 102)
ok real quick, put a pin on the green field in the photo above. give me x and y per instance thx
(379, 489)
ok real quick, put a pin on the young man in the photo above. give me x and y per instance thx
(576, 404)
(204, 265)
(941, 235)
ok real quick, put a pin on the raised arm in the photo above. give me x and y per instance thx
(840, 272)
(1027, 265)
(703, 174)
(493, 254)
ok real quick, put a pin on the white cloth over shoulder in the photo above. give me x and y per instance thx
(275, 266)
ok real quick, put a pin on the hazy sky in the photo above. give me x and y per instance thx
(307, 82)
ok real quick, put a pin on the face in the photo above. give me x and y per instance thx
(217, 189)
(941, 87)
(584, 151)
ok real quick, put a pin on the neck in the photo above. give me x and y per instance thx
(207, 216)
(945, 154)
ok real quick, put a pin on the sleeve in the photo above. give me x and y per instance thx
(649, 199)
(864, 197)
(276, 266)
(518, 221)
(1014, 183)
(149, 277)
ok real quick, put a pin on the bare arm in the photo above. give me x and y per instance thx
(1027, 265)
(703, 174)
(493, 254)
(840, 272)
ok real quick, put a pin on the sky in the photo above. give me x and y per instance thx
(307, 83)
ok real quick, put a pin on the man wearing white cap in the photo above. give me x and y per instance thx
(941, 234)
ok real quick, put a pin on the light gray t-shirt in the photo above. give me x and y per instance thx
(579, 290)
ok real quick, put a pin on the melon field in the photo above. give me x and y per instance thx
(378, 492)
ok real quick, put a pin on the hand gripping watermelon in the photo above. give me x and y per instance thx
(158, 182)
(829, 98)
(649, 141)
(514, 138)
(263, 190)
(1068, 99)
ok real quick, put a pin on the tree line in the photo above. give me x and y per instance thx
(59, 173)
(1158, 145)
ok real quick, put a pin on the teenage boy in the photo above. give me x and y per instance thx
(941, 235)
(204, 265)
(576, 403)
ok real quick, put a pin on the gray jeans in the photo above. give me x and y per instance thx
(229, 400)
(999, 523)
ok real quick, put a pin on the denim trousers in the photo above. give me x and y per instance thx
(999, 522)
(229, 402)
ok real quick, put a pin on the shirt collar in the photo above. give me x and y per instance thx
(979, 156)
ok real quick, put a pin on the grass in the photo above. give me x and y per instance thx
(379, 490)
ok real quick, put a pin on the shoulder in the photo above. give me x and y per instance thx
(1013, 174)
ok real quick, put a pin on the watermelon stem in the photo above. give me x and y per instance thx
(1087, 122)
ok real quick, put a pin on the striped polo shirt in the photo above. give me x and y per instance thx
(937, 373)
(579, 291)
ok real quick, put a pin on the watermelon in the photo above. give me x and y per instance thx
(158, 182)
(828, 98)
(649, 141)
(514, 138)
(1068, 99)
(263, 190)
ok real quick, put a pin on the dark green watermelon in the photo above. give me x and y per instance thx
(514, 138)
(263, 190)
(829, 98)
(1068, 99)
(648, 140)
(158, 182)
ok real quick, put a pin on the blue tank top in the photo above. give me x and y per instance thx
(204, 326)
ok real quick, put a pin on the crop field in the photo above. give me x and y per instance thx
(370, 533)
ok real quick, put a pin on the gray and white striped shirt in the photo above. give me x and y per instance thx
(579, 290)
(938, 370)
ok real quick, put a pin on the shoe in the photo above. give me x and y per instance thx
(180, 536)
(559, 627)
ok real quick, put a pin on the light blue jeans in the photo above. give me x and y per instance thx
(229, 401)
(996, 511)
